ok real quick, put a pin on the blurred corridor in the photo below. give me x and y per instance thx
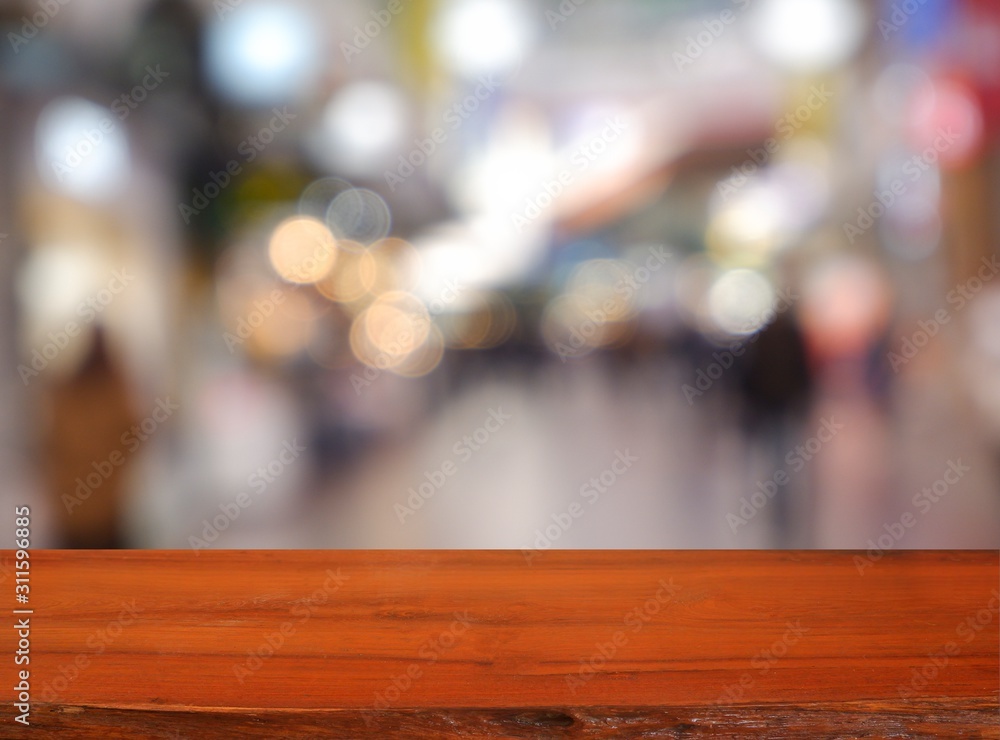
(491, 273)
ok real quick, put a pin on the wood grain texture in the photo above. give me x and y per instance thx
(598, 644)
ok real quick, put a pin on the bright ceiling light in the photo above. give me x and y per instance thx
(480, 37)
(808, 35)
(262, 54)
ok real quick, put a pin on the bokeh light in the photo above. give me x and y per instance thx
(302, 250)
(481, 37)
(740, 302)
(262, 53)
(362, 126)
(808, 35)
(81, 149)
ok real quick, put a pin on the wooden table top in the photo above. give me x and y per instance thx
(389, 644)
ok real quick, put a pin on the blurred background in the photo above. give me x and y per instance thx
(500, 273)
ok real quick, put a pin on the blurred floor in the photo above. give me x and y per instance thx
(691, 471)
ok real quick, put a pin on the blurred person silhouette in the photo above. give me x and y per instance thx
(775, 385)
(84, 457)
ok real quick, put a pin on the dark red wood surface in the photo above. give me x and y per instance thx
(483, 644)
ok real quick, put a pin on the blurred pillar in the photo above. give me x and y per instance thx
(13, 398)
